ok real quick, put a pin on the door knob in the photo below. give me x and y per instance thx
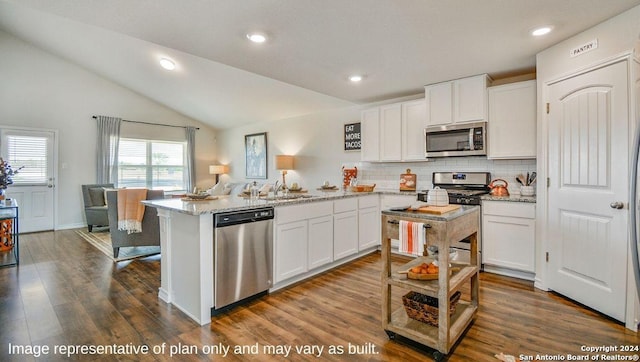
(616, 205)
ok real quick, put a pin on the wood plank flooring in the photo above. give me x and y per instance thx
(65, 292)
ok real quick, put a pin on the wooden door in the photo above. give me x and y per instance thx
(588, 171)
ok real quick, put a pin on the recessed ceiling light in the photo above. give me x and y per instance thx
(541, 31)
(355, 78)
(257, 37)
(167, 64)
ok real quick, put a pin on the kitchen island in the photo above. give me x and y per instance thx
(443, 231)
(187, 235)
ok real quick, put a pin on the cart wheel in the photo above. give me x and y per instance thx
(438, 356)
(391, 335)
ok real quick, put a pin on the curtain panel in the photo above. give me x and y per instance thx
(107, 149)
(190, 133)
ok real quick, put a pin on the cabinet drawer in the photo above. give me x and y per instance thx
(286, 214)
(345, 205)
(367, 201)
(510, 209)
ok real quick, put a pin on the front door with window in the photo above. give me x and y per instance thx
(34, 184)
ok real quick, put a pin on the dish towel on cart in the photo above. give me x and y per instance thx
(131, 210)
(412, 237)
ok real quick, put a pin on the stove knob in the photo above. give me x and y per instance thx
(459, 200)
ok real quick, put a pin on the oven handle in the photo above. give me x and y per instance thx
(471, 144)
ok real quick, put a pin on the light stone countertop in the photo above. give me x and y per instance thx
(463, 210)
(510, 198)
(229, 203)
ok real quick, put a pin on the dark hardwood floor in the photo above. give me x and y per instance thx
(66, 293)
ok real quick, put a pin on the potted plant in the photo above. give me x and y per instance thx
(6, 176)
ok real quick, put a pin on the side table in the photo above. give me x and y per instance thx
(9, 233)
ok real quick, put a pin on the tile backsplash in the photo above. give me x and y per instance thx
(386, 175)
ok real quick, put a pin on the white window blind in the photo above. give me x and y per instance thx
(30, 152)
(151, 164)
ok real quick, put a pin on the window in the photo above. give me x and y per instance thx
(30, 152)
(156, 165)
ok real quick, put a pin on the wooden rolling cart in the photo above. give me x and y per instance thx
(444, 230)
(9, 235)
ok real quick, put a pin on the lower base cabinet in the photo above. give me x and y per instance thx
(320, 246)
(292, 242)
(508, 230)
(345, 234)
(316, 235)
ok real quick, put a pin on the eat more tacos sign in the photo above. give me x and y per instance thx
(352, 140)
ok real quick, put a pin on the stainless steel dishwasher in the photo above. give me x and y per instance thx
(242, 256)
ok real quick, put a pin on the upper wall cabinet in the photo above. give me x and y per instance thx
(511, 131)
(394, 132)
(457, 101)
(370, 135)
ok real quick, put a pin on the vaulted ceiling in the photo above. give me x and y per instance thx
(313, 46)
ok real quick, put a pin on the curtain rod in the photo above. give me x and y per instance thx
(153, 124)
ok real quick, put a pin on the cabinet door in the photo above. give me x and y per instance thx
(414, 121)
(439, 98)
(345, 234)
(370, 135)
(470, 99)
(391, 132)
(320, 241)
(508, 242)
(368, 228)
(512, 121)
(290, 250)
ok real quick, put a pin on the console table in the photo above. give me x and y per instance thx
(9, 234)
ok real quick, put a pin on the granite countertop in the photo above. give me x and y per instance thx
(464, 209)
(511, 198)
(228, 203)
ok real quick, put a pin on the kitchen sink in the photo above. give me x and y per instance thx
(287, 197)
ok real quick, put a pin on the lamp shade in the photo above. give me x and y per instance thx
(284, 162)
(218, 169)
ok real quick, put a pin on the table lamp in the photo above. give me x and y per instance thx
(284, 163)
(218, 170)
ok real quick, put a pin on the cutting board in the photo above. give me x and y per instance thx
(438, 209)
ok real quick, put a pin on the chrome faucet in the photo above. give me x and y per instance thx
(275, 188)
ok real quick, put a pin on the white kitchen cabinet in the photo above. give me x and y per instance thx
(320, 241)
(290, 246)
(511, 129)
(414, 121)
(391, 132)
(304, 238)
(345, 227)
(370, 135)
(394, 132)
(508, 236)
(457, 101)
(368, 222)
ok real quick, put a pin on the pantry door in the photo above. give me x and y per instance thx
(588, 121)
(33, 186)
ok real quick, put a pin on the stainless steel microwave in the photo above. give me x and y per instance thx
(468, 139)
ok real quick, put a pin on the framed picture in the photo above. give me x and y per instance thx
(255, 146)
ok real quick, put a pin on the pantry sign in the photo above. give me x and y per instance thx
(352, 137)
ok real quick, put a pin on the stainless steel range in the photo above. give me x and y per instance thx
(464, 188)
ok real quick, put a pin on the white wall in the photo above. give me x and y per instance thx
(316, 140)
(39, 90)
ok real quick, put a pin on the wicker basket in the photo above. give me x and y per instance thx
(424, 308)
(363, 188)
